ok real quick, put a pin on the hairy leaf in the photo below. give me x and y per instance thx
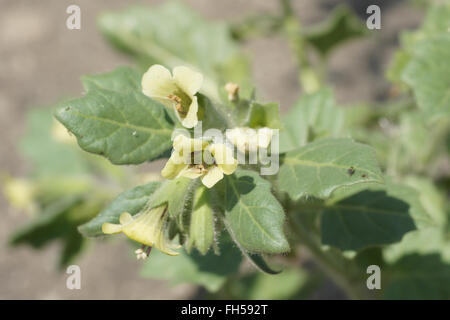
(116, 120)
(321, 167)
(252, 214)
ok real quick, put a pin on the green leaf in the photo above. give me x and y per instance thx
(321, 167)
(342, 26)
(431, 237)
(172, 34)
(131, 201)
(365, 219)
(46, 225)
(436, 20)
(58, 222)
(122, 80)
(418, 277)
(74, 244)
(179, 195)
(423, 241)
(411, 196)
(210, 271)
(252, 215)
(48, 156)
(431, 198)
(314, 116)
(435, 24)
(116, 120)
(392, 193)
(201, 228)
(427, 73)
(263, 115)
(397, 66)
(212, 115)
(260, 263)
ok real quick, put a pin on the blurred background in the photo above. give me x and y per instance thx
(41, 61)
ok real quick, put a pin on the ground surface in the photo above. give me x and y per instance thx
(42, 61)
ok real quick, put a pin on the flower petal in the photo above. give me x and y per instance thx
(191, 119)
(264, 137)
(125, 218)
(185, 145)
(228, 168)
(188, 80)
(148, 229)
(180, 141)
(173, 166)
(190, 173)
(111, 228)
(157, 82)
(223, 157)
(213, 176)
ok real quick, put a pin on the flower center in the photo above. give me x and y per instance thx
(182, 102)
(200, 168)
(143, 252)
(201, 161)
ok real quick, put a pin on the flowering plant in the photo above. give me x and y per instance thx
(356, 186)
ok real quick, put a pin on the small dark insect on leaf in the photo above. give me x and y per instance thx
(351, 171)
(364, 175)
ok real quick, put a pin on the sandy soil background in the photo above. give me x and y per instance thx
(42, 61)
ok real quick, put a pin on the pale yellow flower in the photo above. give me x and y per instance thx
(176, 90)
(196, 158)
(20, 193)
(147, 228)
(246, 139)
